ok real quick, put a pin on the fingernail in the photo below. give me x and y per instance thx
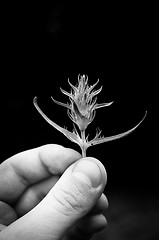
(88, 172)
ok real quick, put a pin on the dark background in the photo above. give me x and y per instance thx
(42, 46)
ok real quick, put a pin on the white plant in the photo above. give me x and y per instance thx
(81, 110)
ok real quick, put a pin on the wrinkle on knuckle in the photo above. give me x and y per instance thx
(70, 199)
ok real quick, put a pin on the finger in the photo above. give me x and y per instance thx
(94, 224)
(101, 205)
(7, 214)
(87, 227)
(2, 227)
(33, 195)
(29, 167)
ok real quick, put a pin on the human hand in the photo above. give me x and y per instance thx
(50, 193)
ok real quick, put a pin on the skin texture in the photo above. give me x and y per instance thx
(50, 193)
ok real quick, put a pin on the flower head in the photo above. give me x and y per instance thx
(81, 109)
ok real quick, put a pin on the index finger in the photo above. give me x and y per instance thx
(31, 166)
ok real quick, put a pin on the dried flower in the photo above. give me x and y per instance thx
(81, 110)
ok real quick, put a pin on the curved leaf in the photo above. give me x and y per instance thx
(111, 138)
(71, 136)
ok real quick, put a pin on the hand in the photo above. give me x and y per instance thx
(50, 193)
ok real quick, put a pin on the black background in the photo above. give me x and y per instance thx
(46, 43)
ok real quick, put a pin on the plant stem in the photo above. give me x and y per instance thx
(83, 147)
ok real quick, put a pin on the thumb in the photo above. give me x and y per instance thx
(73, 196)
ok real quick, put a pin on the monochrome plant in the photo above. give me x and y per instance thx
(81, 110)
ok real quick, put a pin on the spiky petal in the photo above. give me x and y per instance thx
(82, 105)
